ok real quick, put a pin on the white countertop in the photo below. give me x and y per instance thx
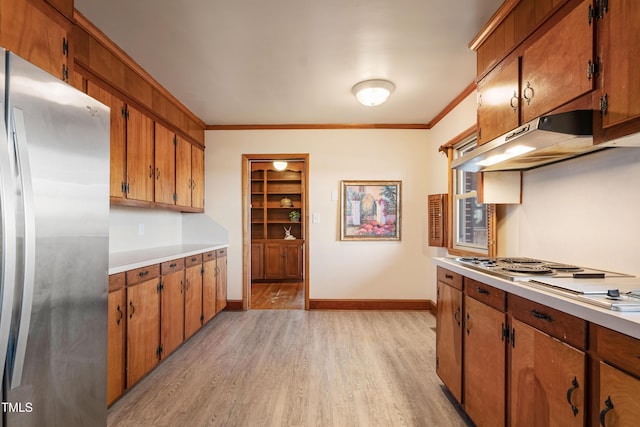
(624, 322)
(124, 261)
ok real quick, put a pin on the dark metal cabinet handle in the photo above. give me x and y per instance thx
(456, 315)
(466, 324)
(143, 273)
(150, 171)
(121, 314)
(448, 276)
(173, 265)
(157, 173)
(574, 387)
(181, 285)
(608, 406)
(132, 309)
(483, 291)
(541, 316)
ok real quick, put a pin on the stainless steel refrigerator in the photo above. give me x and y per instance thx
(54, 206)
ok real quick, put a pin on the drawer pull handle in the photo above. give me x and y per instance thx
(143, 273)
(173, 265)
(448, 276)
(121, 314)
(574, 387)
(609, 406)
(132, 309)
(194, 259)
(541, 316)
(483, 291)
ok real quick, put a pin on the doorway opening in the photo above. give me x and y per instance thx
(275, 231)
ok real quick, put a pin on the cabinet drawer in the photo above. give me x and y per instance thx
(172, 266)
(450, 278)
(221, 252)
(563, 326)
(484, 293)
(209, 256)
(116, 281)
(141, 274)
(193, 260)
(618, 349)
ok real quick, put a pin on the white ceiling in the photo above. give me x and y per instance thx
(241, 62)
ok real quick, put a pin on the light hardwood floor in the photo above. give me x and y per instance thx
(297, 368)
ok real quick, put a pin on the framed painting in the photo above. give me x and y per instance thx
(370, 210)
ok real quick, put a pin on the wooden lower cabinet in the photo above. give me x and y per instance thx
(192, 300)
(283, 260)
(547, 380)
(209, 291)
(484, 363)
(143, 329)
(618, 397)
(449, 334)
(221, 280)
(257, 261)
(172, 311)
(116, 342)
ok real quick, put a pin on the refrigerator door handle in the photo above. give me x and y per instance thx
(8, 225)
(24, 172)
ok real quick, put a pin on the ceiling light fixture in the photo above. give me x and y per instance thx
(373, 92)
(279, 165)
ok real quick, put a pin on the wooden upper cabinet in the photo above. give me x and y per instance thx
(65, 7)
(197, 177)
(547, 380)
(30, 33)
(183, 172)
(118, 138)
(165, 165)
(499, 102)
(554, 68)
(140, 156)
(619, 53)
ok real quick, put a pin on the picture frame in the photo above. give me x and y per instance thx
(370, 210)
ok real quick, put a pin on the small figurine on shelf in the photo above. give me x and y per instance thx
(288, 235)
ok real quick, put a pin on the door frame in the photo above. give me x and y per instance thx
(246, 221)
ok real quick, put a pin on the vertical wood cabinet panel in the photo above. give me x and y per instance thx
(172, 312)
(193, 300)
(118, 135)
(183, 173)
(140, 156)
(116, 343)
(547, 380)
(65, 7)
(197, 177)
(143, 329)
(257, 260)
(499, 103)
(618, 398)
(221, 280)
(484, 363)
(209, 291)
(165, 165)
(449, 334)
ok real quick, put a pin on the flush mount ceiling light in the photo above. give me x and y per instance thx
(373, 92)
(279, 166)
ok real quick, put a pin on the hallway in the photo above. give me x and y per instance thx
(297, 368)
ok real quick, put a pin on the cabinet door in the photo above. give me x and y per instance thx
(554, 68)
(183, 173)
(143, 329)
(165, 165)
(257, 261)
(619, 51)
(118, 144)
(273, 261)
(292, 267)
(172, 312)
(193, 300)
(116, 345)
(498, 103)
(547, 380)
(140, 171)
(449, 338)
(31, 34)
(197, 177)
(484, 363)
(221, 281)
(619, 403)
(209, 290)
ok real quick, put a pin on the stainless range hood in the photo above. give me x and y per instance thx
(547, 139)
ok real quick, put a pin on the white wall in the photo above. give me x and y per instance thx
(583, 211)
(338, 270)
(137, 228)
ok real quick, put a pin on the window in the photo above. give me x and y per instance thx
(471, 223)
